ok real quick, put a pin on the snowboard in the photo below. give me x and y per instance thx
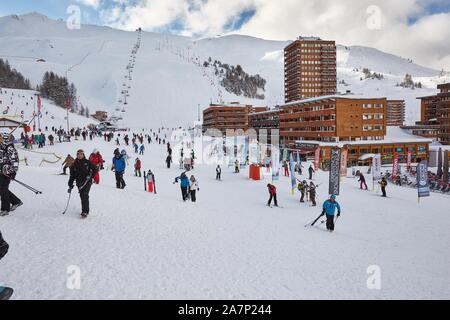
(6, 293)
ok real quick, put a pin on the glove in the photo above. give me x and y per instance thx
(198, 189)
(339, 214)
(70, 189)
(323, 212)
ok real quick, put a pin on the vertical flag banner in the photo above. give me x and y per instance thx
(39, 104)
(445, 166)
(395, 167)
(335, 167)
(275, 164)
(376, 167)
(408, 160)
(68, 103)
(316, 158)
(292, 169)
(344, 154)
(423, 188)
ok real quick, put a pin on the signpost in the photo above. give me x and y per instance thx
(423, 188)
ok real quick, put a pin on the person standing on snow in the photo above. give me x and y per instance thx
(312, 193)
(218, 172)
(97, 160)
(9, 165)
(168, 161)
(236, 166)
(302, 187)
(82, 172)
(310, 171)
(193, 188)
(67, 163)
(362, 181)
(5, 293)
(119, 166)
(184, 184)
(137, 168)
(329, 208)
(383, 183)
(141, 149)
(273, 195)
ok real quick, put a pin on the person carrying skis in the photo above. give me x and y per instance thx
(137, 168)
(5, 293)
(310, 171)
(329, 208)
(9, 165)
(362, 181)
(168, 161)
(383, 183)
(119, 166)
(312, 193)
(184, 184)
(273, 195)
(302, 187)
(82, 172)
(67, 163)
(97, 160)
(193, 188)
(218, 172)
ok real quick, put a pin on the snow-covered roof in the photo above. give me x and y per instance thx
(335, 96)
(366, 142)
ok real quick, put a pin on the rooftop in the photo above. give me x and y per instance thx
(366, 142)
(335, 96)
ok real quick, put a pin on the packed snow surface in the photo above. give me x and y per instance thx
(228, 245)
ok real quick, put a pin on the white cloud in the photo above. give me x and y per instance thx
(426, 41)
(91, 3)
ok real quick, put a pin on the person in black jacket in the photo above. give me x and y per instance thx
(9, 165)
(5, 293)
(82, 171)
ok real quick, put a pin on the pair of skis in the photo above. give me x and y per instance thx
(146, 183)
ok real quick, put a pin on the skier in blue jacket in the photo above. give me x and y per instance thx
(329, 208)
(119, 166)
(184, 184)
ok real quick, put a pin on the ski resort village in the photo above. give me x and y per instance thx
(146, 161)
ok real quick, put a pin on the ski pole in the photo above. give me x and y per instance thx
(27, 186)
(68, 201)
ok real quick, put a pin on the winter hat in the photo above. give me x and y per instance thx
(333, 196)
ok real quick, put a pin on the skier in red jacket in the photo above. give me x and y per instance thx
(273, 195)
(137, 168)
(97, 160)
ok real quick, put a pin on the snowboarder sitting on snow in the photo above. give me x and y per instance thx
(137, 167)
(383, 183)
(184, 184)
(193, 188)
(273, 194)
(67, 163)
(218, 172)
(329, 208)
(362, 181)
(119, 166)
(82, 172)
(5, 293)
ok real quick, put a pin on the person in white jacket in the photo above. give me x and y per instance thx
(193, 188)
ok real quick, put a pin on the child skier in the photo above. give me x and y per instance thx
(273, 194)
(97, 160)
(137, 168)
(193, 188)
(236, 166)
(218, 172)
(383, 183)
(151, 182)
(312, 193)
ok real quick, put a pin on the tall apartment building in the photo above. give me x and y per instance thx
(435, 112)
(333, 119)
(395, 112)
(309, 69)
(231, 116)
